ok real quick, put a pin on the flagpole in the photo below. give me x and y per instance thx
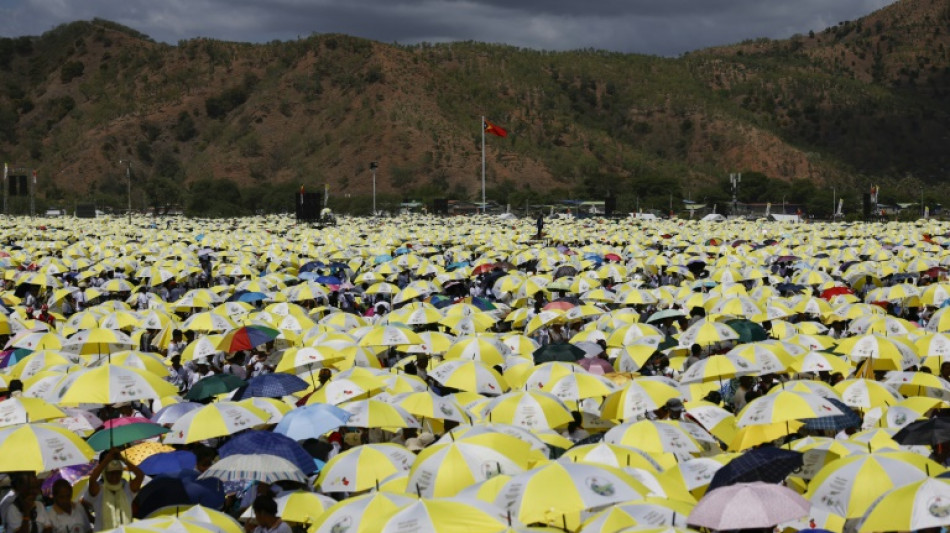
(484, 205)
(4, 188)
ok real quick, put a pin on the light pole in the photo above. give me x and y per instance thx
(373, 166)
(783, 204)
(834, 203)
(128, 179)
(921, 202)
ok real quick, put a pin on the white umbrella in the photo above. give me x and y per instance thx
(254, 467)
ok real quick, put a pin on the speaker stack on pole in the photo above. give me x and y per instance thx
(308, 206)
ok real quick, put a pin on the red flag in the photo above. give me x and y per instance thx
(495, 130)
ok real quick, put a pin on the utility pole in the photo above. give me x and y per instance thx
(921, 201)
(834, 203)
(735, 179)
(373, 166)
(128, 179)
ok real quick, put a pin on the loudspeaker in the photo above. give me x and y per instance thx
(440, 206)
(610, 205)
(866, 204)
(11, 185)
(308, 206)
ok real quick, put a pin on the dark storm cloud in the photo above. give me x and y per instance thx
(664, 27)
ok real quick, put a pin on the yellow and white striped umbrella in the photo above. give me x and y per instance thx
(215, 420)
(364, 467)
(718, 368)
(108, 384)
(528, 409)
(785, 406)
(41, 448)
(850, 485)
(469, 376)
(372, 413)
(636, 398)
(443, 470)
(555, 494)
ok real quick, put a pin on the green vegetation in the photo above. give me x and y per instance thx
(228, 128)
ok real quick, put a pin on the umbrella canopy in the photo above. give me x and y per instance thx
(41, 448)
(558, 351)
(930, 432)
(556, 493)
(748, 506)
(211, 386)
(109, 384)
(351, 513)
(168, 462)
(270, 386)
(443, 470)
(246, 338)
(254, 467)
(917, 506)
(364, 467)
(214, 420)
(250, 442)
(179, 489)
(767, 464)
(311, 421)
(120, 435)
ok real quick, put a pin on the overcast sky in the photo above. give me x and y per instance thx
(662, 27)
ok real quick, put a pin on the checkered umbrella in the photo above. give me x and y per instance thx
(771, 465)
(270, 386)
(849, 419)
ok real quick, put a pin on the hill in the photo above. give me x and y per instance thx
(224, 127)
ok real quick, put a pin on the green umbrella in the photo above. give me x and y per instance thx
(125, 434)
(212, 386)
(558, 351)
(748, 331)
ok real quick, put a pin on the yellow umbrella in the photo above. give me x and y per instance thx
(363, 467)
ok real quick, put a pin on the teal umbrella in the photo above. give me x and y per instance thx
(212, 386)
(748, 331)
(105, 439)
(558, 351)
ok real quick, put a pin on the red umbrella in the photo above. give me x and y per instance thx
(828, 294)
(613, 257)
(481, 269)
(596, 365)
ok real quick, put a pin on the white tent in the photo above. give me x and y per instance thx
(714, 217)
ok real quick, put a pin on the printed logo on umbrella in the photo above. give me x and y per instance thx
(938, 507)
(601, 487)
(342, 526)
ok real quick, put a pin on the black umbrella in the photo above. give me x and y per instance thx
(767, 464)
(558, 351)
(928, 432)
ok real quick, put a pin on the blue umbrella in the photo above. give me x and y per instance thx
(168, 463)
(311, 421)
(402, 251)
(311, 266)
(457, 264)
(767, 464)
(382, 258)
(182, 488)
(252, 442)
(170, 413)
(849, 419)
(329, 280)
(247, 297)
(308, 276)
(270, 386)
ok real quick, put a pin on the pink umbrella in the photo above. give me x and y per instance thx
(125, 420)
(596, 365)
(748, 506)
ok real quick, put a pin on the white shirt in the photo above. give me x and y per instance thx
(13, 519)
(280, 527)
(96, 501)
(72, 522)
